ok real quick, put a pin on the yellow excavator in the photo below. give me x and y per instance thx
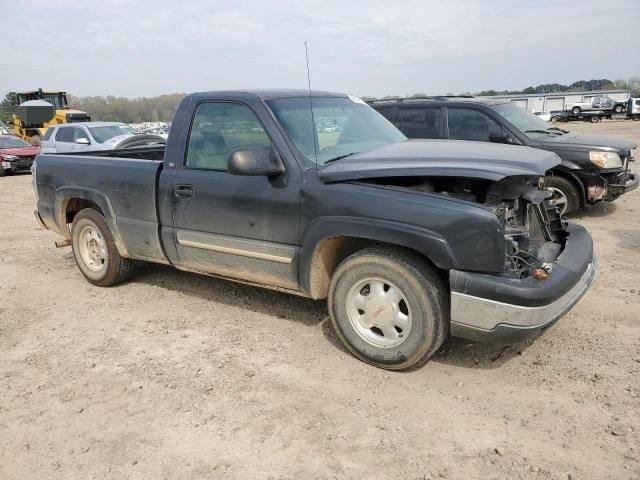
(38, 109)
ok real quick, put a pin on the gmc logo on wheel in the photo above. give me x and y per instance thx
(378, 311)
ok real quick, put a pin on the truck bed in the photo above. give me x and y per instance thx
(125, 189)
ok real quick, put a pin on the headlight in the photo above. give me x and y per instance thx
(605, 159)
(10, 158)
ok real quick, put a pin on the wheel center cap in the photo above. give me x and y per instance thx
(379, 311)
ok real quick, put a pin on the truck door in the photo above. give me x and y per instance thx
(244, 227)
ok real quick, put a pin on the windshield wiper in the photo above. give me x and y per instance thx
(542, 131)
(340, 157)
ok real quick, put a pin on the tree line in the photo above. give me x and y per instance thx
(113, 109)
(163, 107)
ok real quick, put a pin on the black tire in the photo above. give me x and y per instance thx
(568, 189)
(3, 172)
(115, 268)
(554, 119)
(426, 303)
(618, 108)
(594, 118)
(575, 110)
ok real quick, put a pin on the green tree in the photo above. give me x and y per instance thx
(8, 107)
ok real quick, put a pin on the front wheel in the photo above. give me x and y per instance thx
(388, 307)
(618, 109)
(575, 110)
(565, 195)
(594, 119)
(95, 251)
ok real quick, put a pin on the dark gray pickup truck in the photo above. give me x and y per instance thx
(319, 195)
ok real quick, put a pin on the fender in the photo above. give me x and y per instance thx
(429, 243)
(64, 194)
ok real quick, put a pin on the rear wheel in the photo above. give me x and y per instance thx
(3, 172)
(565, 195)
(594, 119)
(388, 307)
(95, 251)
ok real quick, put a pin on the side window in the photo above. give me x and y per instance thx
(220, 128)
(80, 133)
(467, 124)
(387, 112)
(47, 134)
(422, 122)
(65, 134)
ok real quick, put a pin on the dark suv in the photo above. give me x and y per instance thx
(594, 168)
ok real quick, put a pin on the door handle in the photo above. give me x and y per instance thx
(184, 191)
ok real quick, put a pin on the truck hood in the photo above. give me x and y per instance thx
(442, 158)
(579, 141)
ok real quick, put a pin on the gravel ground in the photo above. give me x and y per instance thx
(175, 375)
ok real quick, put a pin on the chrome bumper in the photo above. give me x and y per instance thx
(482, 319)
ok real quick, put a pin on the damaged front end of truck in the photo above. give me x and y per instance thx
(548, 262)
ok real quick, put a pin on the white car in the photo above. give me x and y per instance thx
(91, 136)
(603, 102)
(543, 116)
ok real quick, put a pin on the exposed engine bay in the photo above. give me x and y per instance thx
(533, 230)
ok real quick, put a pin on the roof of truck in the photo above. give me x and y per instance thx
(267, 94)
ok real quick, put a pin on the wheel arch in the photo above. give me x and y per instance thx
(575, 181)
(73, 200)
(327, 244)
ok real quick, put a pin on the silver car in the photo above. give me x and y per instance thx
(91, 136)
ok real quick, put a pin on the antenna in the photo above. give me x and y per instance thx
(313, 119)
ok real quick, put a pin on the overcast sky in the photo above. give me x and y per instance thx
(146, 48)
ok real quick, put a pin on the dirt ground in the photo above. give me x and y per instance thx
(175, 375)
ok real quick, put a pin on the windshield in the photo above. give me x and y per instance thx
(107, 132)
(525, 121)
(343, 126)
(13, 142)
(55, 99)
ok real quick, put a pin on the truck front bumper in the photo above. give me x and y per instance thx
(495, 309)
(631, 184)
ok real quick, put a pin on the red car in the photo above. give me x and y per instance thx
(16, 155)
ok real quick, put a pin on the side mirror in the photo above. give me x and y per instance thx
(255, 161)
(83, 141)
(499, 138)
